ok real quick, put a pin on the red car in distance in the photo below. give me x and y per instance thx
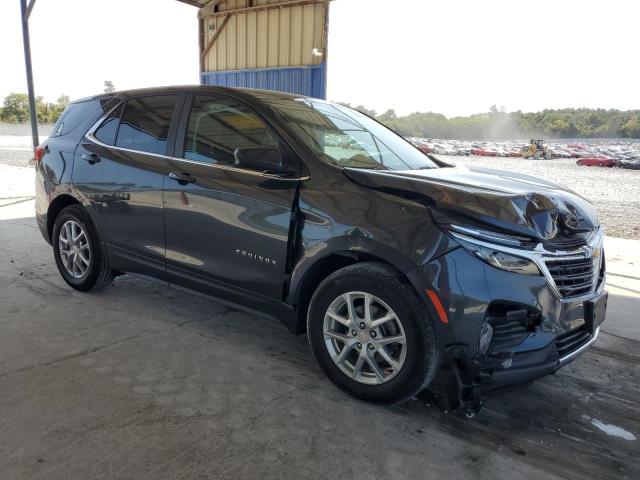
(484, 152)
(597, 161)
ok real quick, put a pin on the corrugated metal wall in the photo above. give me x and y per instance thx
(271, 49)
(310, 81)
(281, 37)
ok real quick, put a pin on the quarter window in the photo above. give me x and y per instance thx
(145, 123)
(217, 126)
(73, 115)
(107, 131)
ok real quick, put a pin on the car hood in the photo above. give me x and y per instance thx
(520, 204)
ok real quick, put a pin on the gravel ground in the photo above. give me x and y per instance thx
(15, 143)
(615, 191)
(15, 157)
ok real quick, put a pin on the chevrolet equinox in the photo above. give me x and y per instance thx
(407, 274)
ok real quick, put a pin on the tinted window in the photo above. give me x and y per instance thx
(107, 131)
(217, 126)
(73, 115)
(145, 123)
(345, 137)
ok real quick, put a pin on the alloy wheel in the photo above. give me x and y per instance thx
(74, 248)
(365, 338)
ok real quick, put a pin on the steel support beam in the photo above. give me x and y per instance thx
(270, 6)
(201, 43)
(210, 8)
(221, 26)
(25, 11)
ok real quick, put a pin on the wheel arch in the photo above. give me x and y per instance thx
(311, 273)
(56, 206)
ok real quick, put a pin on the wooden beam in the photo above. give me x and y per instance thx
(271, 6)
(30, 8)
(221, 26)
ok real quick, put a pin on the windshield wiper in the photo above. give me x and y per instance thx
(424, 167)
(363, 167)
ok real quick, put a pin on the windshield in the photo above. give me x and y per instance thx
(345, 137)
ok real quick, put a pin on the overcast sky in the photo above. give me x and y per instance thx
(451, 56)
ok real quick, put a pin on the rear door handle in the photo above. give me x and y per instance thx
(92, 158)
(182, 178)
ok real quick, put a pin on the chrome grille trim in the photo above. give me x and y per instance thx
(572, 277)
(579, 351)
(542, 257)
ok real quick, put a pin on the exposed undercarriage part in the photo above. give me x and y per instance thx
(456, 388)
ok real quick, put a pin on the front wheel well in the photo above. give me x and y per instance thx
(321, 270)
(60, 203)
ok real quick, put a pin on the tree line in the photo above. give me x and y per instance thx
(494, 124)
(498, 124)
(15, 108)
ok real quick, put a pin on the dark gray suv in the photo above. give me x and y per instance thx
(407, 274)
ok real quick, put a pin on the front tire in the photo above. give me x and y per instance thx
(78, 252)
(371, 334)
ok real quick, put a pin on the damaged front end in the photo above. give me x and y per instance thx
(522, 287)
(513, 314)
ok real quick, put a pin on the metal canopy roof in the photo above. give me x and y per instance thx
(197, 3)
(212, 7)
(207, 9)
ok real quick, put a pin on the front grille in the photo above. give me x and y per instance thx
(511, 325)
(573, 277)
(507, 334)
(571, 341)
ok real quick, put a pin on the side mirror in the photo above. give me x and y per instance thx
(259, 158)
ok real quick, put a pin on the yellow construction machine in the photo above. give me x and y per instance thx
(537, 149)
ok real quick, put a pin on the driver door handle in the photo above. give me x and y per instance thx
(92, 158)
(182, 178)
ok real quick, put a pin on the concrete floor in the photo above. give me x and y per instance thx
(141, 381)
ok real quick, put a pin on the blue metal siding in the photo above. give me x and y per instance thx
(308, 80)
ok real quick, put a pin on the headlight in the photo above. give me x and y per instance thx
(502, 260)
(495, 255)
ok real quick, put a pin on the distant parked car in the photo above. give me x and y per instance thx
(444, 150)
(424, 148)
(597, 162)
(485, 152)
(633, 164)
(560, 153)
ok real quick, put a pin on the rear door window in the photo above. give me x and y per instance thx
(219, 125)
(145, 123)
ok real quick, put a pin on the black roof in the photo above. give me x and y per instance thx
(246, 92)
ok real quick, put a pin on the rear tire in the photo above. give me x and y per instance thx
(397, 358)
(78, 251)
